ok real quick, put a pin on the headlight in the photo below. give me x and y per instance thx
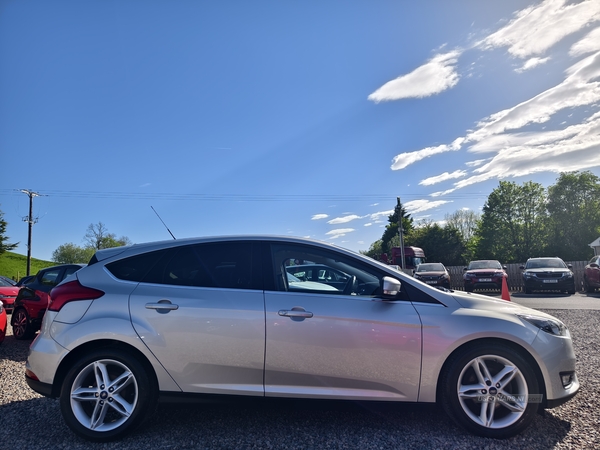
(550, 326)
(527, 274)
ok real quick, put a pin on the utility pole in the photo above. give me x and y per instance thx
(401, 233)
(30, 221)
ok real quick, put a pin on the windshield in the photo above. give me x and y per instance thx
(545, 262)
(484, 265)
(431, 267)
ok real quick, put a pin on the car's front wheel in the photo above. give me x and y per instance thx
(22, 329)
(487, 388)
(106, 394)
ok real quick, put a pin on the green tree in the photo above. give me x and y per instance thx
(440, 244)
(98, 237)
(374, 251)
(391, 230)
(464, 221)
(574, 208)
(5, 246)
(513, 226)
(72, 254)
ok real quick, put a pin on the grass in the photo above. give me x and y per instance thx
(14, 266)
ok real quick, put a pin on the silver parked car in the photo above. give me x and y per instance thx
(224, 315)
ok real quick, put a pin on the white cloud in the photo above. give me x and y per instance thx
(335, 234)
(475, 163)
(443, 177)
(537, 28)
(376, 217)
(580, 87)
(418, 206)
(531, 63)
(344, 219)
(575, 148)
(433, 77)
(588, 44)
(405, 159)
(319, 217)
(368, 224)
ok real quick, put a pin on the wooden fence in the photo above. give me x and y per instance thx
(515, 275)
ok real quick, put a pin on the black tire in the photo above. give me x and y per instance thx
(21, 326)
(507, 411)
(82, 401)
(587, 286)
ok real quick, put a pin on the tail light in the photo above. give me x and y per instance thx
(71, 292)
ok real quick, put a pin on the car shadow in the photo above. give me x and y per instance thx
(276, 424)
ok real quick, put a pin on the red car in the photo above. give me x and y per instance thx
(34, 297)
(591, 276)
(2, 322)
(484, 274)
(8, 293)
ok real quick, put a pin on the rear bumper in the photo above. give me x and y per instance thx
(44, 389)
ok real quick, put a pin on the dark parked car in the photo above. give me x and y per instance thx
(548, 274)
(33, 298)
(591, 276)
(434, 274)
(25, 280)
(484, 274)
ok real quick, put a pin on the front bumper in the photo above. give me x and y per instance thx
(534, 284)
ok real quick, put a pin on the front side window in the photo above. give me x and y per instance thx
(300, 268)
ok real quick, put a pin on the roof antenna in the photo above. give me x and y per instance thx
(162, 222)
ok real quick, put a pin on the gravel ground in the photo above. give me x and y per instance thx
(30, 421)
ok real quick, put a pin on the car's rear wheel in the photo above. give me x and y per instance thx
(486, 389)
(106, 394)
(586, 286)
(22, 329)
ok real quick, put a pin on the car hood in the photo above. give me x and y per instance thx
(9, 290)
(483, 270)
(430, 273)
(548, 270)
(482, 302)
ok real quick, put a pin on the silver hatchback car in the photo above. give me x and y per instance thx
(223, 315)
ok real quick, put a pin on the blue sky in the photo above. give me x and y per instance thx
(303, 118)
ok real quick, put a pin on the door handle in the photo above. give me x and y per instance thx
(163, 306)
(295, 312)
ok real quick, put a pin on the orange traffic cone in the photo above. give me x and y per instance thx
(505, 293)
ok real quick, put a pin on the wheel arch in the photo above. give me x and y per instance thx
(483, 341)
(101, 344)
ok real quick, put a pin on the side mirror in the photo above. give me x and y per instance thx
(505, 268)
(391, 286)
(465, 269)
(570, 266)
(522, 267)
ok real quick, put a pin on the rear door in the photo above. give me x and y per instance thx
(201, 313)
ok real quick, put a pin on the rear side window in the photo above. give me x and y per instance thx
(136, 267)
(50, 278)
(215, 265)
